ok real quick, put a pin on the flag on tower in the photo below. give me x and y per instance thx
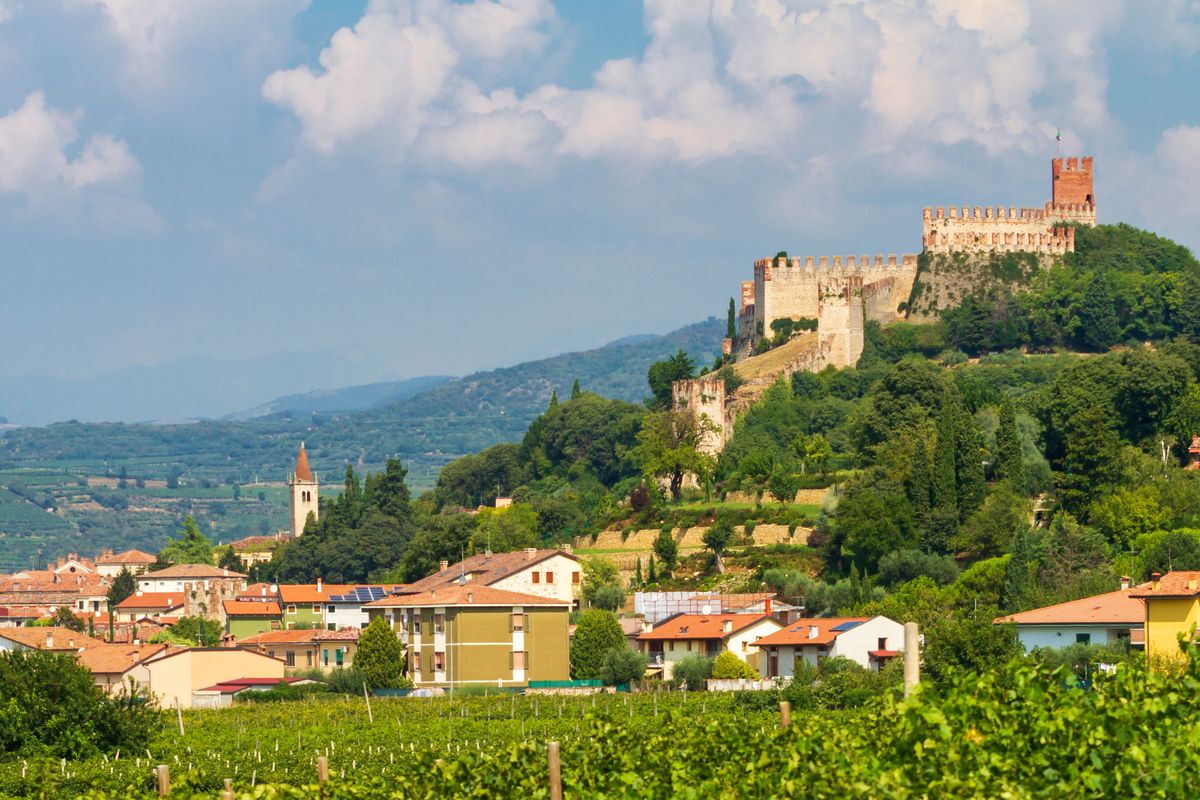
(1058, 136)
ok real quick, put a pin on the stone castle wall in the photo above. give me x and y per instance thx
(705, 397)
(1003, 230)
(792, 287)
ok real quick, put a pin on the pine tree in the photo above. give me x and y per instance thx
(731, 322)
(554, 399)
(945, 483)
(575, 390)
(1008, 448)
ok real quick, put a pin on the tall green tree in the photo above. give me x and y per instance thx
(1099, 326)
(597, 633)
(381, 657)
(1009, 460)
(664, 373)
(717, 538)
(1092, 458)
(122, 586)
(669, 447)
(230, 560)
(667, 550)
(64, 617)
(189, 546)
(731, 322)
(575, 390)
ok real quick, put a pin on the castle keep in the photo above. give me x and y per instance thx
(842, 295)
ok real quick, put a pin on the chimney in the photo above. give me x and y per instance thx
(470, 597)
(726, 626)
(443, 565)
(264, 591)
(530, 553)
(1155, 577)
(566, 548)
(140, 593)
(318, 585)
(49, 640)
(647, 626)
(813, 631)
(767, 606)
(1124, 582)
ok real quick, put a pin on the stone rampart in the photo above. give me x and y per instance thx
(705, 397)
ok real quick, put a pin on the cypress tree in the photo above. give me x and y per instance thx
(651, 573)
(637, 575)
(969, 458)
(1008, 448)
(945, 484)
(575, 391)
(919, 482)
(731, 322)
(554, 398)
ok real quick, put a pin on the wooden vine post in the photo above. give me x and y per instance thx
(785, 714)
(227, 793)
(322, 769)
(912, 657)
(367, 697)
(163, 773)
(552, 754)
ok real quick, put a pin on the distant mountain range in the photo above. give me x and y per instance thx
(350, 398)
(423, 421)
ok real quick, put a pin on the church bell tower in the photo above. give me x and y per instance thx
(303, 486)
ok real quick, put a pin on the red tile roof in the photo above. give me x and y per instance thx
(1173, 584)
(701, 626)
(290, 636)
(307, 592)
(303, 471)
(117, 658)
(801, 633)
(61, 638)
(487, 568)
(1121, 607)
(156, 600)
(251, 608)
(468, 595)
(128, 557)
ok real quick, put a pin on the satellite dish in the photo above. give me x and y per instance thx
(706, 609)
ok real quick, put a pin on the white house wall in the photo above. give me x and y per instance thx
(563, 587)
(857, 642)
(1055, 636)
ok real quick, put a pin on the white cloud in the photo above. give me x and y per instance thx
(33, 152)
(790, 79)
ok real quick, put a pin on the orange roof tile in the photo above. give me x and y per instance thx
(251, 608)
(701, 626)
(128, 557)
(1121, 607)
(487, 568)
(469, 595)
(290, 636)
(1173, 584)
(303, 471)
(63, 638)
(156, 600)
(117, 658)
(801, 631)
(307, 592)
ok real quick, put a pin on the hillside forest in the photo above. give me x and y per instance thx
(1026, 448)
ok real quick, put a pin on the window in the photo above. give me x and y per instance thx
(308, 658)
(882, 643)
(339, 656)
(689, 645)
(745, 646)
(518, 621)
(549, 577)
(439, 623)
(316, 608)
(291, 609)
(332, 626)
(518, 661)
(671, 646)
(325, 657)
(439, 662)
(330, 609)
(575, 577)
(1083, 638)
(537, 577)
(289, 658)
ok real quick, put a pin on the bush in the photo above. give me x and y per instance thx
(609, 598)
(622, 665)
(729, 666)
(50, 706)
(692, 672)
(902, 566)
(597, 632)
(381, 659)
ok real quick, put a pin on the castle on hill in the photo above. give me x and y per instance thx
(842, 295)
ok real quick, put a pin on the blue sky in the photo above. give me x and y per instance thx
(407, 187)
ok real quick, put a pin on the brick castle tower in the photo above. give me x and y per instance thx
(303, 486)
(1072, 182)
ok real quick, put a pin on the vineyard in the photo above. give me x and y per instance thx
(1021, 732)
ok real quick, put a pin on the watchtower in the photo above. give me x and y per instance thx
(303, 486)
(1072, 182)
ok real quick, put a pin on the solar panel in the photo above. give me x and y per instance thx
(845, 626)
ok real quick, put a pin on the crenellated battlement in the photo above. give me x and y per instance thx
(767, 266)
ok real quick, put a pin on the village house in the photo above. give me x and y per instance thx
(46, 637)
(256, 549)
(1102, 619)
(154, 605)
(466, 634)
(250, 617)
(349, 609)
(1171, 609)
(136, 561)
(114, 666)
(553, 574)
(176, 675)
(682, 635)
(870, 642)
(307, 649)
(304, 604)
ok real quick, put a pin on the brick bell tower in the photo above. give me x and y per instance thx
(1072, 182)
(303, 486)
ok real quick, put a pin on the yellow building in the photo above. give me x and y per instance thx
(1172, 609)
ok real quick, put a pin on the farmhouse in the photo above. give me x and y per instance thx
(869, 642)
(708, 635)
